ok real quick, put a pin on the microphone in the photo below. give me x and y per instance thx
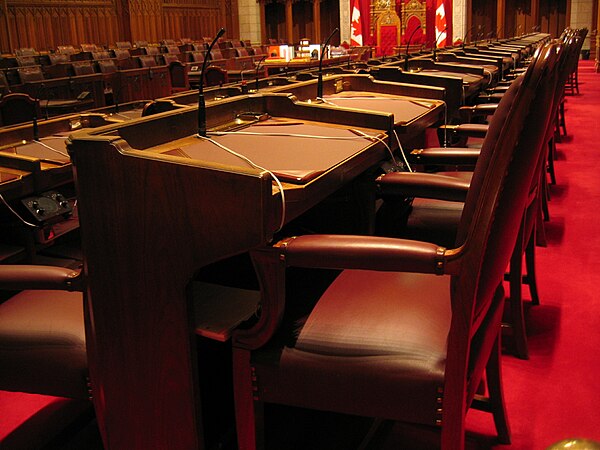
(243, 83)
(320, 80)
(201, 104)
(408, 45)
(435, 44)
(36, 107)
(260, 61)
(116, 96)
(466, 34)
(36, 131)
(480, 33)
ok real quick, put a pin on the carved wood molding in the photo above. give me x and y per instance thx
(414, 8)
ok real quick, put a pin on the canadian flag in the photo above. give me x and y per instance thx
(440, 24)
(356, 25)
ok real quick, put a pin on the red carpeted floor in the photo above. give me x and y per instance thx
(553, 395)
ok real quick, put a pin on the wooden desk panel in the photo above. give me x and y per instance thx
(149, 221)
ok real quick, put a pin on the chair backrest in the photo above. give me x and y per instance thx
(173, 49)
(122, 53)
(89, 47)
(57, 58)
(100, 55)
(169, 58)
(503, 175)
(107, 66)
(215, 76)
(147, 61)
(18, 108)
(67, 49)
(26, 52)
(197, 56)
(178, 72)
(151, 50)
(155, 107)
(123, 44)
(30, 74)
(83, 68)
(215, 54)
(24, 61)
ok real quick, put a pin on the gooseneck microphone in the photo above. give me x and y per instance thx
(408, 45)
(201, 103)
(36, 109)
(464, 40)
(36, 131)
(435, 44)
(257, 68)
(320, 80)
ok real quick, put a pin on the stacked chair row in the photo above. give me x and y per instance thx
(410, 328)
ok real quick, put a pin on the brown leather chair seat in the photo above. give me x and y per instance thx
(408, 351)
(42, 344)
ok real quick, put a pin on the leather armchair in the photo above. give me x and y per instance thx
(407, 329)
(434, 218)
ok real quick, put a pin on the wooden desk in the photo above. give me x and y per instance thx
(275, 67)
(415, 107)
(44, 164)
(150, 219)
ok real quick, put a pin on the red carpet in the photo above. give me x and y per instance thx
(552, 396)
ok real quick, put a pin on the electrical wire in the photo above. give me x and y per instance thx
(10, 208)
(66, 155)
(359, 135)
(256, 166)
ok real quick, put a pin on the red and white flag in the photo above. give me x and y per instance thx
(356, 38)
(440, 24)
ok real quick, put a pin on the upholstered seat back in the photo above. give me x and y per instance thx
(524, 128)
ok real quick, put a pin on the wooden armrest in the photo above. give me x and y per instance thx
(20, 277)
(455, 156)
(468, 113)
(424, 185)
(362, 252)
(331, 251)
(478, 130)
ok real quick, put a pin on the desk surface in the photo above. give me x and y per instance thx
(296, 152)
(405, 109)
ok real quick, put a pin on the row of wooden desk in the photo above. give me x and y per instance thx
(157, 204)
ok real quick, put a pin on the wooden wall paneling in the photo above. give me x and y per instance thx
(484, 18)
(146, 20)
(303, 21)
(329, 19)
(46, 26)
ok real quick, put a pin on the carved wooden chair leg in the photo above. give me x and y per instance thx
(496, 397)
(551, 156)
(545, 198)
(530, 278)
(517, 315)
(561, 116)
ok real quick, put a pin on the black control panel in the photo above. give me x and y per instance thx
(48, 206)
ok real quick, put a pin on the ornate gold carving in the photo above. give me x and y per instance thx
(417, 9)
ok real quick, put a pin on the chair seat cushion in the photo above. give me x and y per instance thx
(433, 220)
(42, 344)
(386, 332)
